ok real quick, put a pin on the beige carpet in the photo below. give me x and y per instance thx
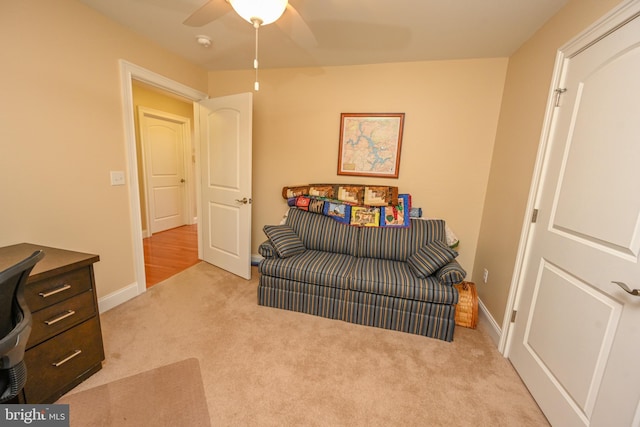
(171, 395)
(268, 367)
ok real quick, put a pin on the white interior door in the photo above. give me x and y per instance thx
(163, 138)
(225, 126)
(576, 339)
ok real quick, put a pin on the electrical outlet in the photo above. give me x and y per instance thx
(485, 275)
(117, 177)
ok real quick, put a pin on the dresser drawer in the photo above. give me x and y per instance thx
(59, 317)
(46, 292)
(56, 365)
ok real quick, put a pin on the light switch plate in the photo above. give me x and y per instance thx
(117, 178)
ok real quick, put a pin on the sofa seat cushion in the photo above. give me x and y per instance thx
(313, 267)
(395, 278)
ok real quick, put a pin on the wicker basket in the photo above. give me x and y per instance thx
(467, 307)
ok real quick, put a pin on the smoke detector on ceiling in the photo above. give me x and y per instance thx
(204, 41)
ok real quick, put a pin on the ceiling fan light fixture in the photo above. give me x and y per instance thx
(265, 11)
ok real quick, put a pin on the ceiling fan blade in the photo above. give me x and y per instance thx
(296, 28)
(210, 11)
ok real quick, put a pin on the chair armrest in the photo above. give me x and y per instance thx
(451, 273)
(267, 250)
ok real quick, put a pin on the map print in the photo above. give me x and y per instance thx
(370, 145)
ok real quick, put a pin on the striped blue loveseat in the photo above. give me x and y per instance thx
(394, 278)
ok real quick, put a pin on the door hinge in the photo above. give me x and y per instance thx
(559, 92)
(534, 216)
(513, 315)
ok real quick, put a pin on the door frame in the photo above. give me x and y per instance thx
(188, 187)
(616, 18)
(130, 72)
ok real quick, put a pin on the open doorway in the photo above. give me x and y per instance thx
(129, 73)
(169, 252)
(233, 123)
(165, 160)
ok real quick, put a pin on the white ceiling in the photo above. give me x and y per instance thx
(347, 32)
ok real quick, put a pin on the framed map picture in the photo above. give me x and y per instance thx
(370, 144)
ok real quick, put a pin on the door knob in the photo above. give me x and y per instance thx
(244, 201)
(627, 289)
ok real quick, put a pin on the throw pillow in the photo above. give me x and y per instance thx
(430, 258)
(285, 240)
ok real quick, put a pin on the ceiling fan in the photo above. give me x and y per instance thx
(289, 20)
(258, 13)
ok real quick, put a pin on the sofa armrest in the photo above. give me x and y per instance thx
(451, 273)
(267, 250)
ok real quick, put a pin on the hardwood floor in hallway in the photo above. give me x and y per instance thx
(170, 252)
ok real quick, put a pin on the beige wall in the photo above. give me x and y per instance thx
(451, 112)
(519, 129)
(150, 97)
(62, 132)
(62, 129)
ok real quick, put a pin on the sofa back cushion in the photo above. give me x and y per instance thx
(322, 233)
(398, 244)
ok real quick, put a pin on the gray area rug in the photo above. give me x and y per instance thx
(171, 395)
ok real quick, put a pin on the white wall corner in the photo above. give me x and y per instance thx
(118, 297)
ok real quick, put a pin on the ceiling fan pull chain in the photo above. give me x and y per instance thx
(256, 85)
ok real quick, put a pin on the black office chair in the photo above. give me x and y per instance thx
(15, 326)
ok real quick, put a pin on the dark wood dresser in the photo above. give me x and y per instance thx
(65, 345)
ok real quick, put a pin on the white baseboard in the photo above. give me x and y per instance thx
(255, 259)
(118, 297)
(488, 323)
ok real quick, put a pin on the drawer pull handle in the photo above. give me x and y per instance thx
(61, 317)
(55, 291)
(66, 359)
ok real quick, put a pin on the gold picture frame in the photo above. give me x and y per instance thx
(370, 144)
